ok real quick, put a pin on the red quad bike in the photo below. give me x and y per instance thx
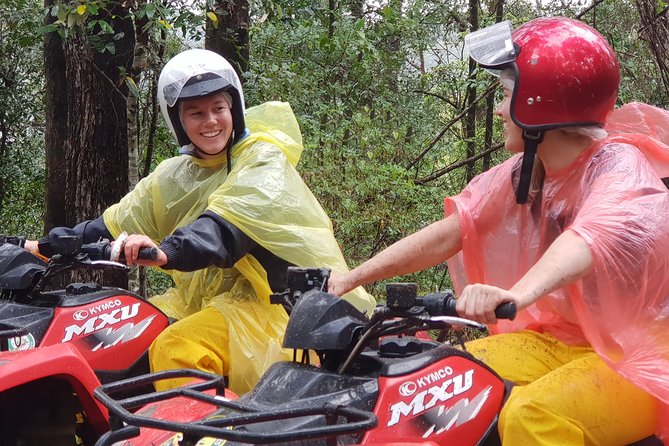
(57, 346)
(377, 383)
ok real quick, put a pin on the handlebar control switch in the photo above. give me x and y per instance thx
(67, 245)
(401, 296)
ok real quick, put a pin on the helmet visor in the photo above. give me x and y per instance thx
(492, 47)
(197, 87)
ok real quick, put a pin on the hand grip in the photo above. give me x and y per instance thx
(148, 253)
(507, 310)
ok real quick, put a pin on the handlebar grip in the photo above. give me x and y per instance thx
(148, 253)
(103, 251)
(506, 310)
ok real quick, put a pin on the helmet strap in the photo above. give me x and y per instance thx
(227, 152)
(532, 141)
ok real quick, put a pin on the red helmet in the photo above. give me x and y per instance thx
(567, 75)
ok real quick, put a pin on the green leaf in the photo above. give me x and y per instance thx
(150, 10)
(132, 86)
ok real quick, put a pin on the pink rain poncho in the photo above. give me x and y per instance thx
(613, 197)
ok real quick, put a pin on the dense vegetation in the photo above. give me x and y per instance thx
(380, 93)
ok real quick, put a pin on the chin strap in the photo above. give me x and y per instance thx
(227, 152)
(532, 141)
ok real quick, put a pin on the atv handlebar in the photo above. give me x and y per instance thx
(403, 297)
(102, 251)
(443, 304)
(70, 246)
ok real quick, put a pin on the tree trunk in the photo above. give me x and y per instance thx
(229, 35)
(470, 125)
(56, 126)
(137, 274)
(96, 140)
(96, 149)
(498, 8)
(655, 30)
(155, 111)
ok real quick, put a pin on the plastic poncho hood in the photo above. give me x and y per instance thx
(265, 197)
(612, 196)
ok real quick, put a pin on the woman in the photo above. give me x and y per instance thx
(574, 230)
(230, 215)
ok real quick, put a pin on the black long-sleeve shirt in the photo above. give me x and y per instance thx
(209, 240)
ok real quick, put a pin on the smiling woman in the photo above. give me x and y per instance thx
(228, 216)
(208, 123)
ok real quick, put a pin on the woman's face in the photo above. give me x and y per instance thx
(513, 135)
(208, 123)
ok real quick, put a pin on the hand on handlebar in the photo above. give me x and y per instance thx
(32, 246)
(478, 302)
(131, 246)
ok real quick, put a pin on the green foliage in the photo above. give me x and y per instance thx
(367, 109)
(21, 121)
(95, 19)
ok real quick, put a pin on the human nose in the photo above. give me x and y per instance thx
(209, 118)
(498, 108)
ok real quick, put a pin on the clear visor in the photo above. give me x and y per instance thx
(192, 63)
(492, 47)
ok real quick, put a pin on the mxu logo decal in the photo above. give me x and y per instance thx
(443, 418)
(429, 398)
(110, 337)
(99, 322)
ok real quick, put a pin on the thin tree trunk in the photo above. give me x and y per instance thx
(655, 30)
(470, 124)
(137, 275)
(56, 126)
(490, 101)
(155, 111)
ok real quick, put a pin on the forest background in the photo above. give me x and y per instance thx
(393, 114)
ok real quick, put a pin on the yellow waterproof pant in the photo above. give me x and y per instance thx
(565, 395)
(199, 341)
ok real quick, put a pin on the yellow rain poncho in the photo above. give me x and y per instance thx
(264, 196)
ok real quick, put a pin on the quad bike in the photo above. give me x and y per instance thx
(58, 345)
(376, 383)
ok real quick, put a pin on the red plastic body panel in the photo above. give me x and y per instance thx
(60, 361)
(179, 409)
(111, 333)
(452, 402)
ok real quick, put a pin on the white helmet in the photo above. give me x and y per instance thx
(194, 74)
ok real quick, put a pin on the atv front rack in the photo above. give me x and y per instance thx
(209, 389)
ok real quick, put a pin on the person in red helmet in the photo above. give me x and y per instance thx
(574, 229)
